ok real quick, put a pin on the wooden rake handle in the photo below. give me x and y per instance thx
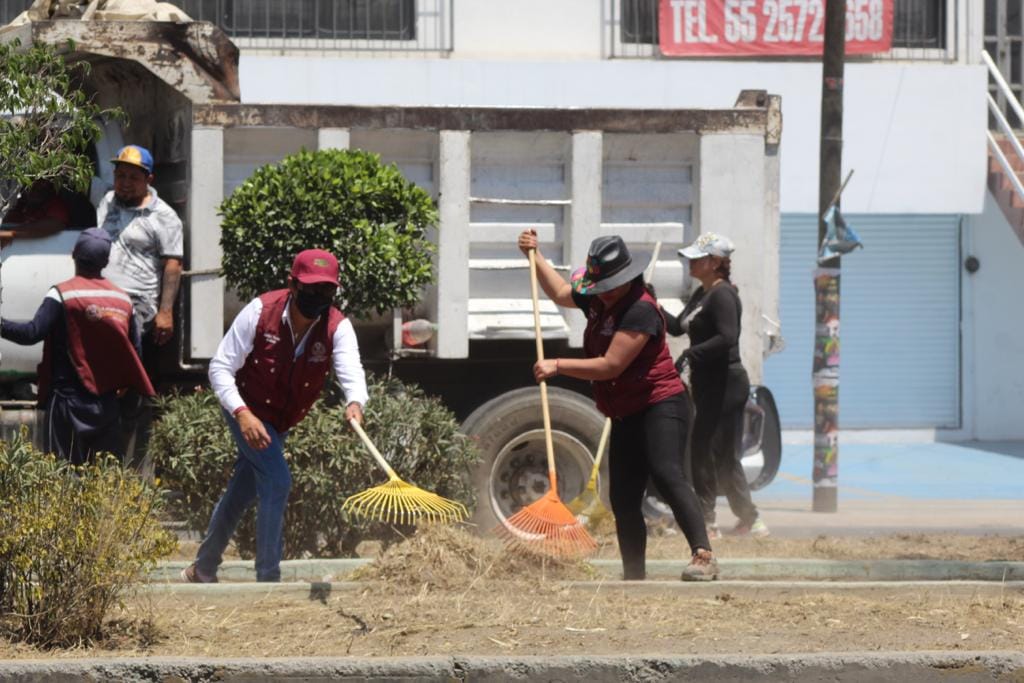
(548, 443)
(601, 448)
(373, 449)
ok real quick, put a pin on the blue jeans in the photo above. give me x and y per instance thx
(259, 475)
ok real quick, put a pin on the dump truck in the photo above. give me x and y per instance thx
(658, 177)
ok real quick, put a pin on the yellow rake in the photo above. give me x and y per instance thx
(588, 506)
(399, 502)
(546, 526)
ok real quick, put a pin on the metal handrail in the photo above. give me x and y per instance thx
(1003, 86)
(1008, 131)
(1004, 124)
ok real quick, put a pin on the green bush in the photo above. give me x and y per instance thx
(194, 453)
(346, 201)
(72, 540)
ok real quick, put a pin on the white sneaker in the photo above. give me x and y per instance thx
(758, 529)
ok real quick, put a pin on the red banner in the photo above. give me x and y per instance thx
(734, 28)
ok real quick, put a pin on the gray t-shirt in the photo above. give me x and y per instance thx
(142, 238)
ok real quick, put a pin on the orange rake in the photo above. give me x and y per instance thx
(546, 526)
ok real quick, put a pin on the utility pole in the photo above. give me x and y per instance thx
(825, 373)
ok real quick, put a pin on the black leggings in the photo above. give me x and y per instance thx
(651, 444)
(719, 400)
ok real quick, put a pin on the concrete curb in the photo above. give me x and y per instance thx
(735, 569)
(898, 667)
(321, 590)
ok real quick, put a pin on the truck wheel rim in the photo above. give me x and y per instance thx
(519, 474)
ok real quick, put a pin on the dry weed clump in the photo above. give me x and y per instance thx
(451, 558)
(73, 542)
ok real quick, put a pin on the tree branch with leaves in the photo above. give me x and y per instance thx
(46, 120)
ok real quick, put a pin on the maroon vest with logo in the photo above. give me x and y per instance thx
(97, 314)
(650, 378)
(275, 385)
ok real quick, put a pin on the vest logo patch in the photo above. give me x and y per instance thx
(271, 338)
(608, 328)
(96, 312)
(318, 354)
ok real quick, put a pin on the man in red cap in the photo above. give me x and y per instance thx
(268, 371)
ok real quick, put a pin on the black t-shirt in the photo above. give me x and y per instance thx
(712, 319)
(641, 316)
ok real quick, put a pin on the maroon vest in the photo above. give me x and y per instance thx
(97, 314)
(275, 385)
(650, 378)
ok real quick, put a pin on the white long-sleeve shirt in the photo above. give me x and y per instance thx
(237, 344)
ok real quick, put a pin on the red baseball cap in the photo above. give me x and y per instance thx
(315, 265)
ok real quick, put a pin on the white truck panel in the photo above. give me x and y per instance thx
(30, 268)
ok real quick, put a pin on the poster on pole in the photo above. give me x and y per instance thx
(768, 28)
(825, 378)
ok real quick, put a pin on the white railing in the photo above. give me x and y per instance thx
(1003, 88)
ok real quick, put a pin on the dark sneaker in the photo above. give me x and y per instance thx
(190, 574)
(758, 529)
(703, 567)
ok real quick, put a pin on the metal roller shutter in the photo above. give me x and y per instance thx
(900, 362)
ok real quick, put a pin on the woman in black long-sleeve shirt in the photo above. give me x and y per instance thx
(720, 384)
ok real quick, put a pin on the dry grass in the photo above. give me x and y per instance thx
(444, 557)
(544, 618)
(900, 546)
(447, 592)
(670, 544)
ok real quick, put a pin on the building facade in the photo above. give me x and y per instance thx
(927, 343)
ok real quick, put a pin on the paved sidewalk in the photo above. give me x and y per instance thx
(972, 487)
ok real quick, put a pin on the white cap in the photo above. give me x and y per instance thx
(708, 244)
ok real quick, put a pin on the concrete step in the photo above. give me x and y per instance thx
(766, 569)
(844, 667)
(1010, 203)
(761, 590)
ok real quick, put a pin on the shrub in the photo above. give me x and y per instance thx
(72, 540)
(346, 201)
(194, 452)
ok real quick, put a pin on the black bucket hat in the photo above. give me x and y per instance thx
(609, 265)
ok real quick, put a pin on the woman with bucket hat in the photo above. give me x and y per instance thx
(634, 382)
(719, 384)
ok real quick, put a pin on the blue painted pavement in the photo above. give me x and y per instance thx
(969, 471)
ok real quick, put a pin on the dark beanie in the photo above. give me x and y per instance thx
(92, 249)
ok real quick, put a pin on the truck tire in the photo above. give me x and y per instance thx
(509, 431)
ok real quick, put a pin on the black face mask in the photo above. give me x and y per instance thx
(311, 304)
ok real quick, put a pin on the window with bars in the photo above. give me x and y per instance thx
(331, 19)
(916, 23)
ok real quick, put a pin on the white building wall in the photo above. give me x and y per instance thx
(899, 116)
(526, 29)
(993, 328)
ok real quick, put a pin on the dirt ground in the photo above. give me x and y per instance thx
(670, 544)
(449, 593)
